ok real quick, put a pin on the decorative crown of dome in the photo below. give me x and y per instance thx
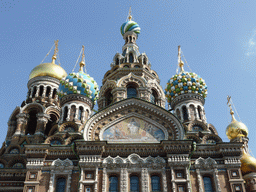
(79, 83)
(130, 25)
(183, 83)
(49, 69)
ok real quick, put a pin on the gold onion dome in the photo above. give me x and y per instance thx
(236, 129)
(48, 69)
(248, 163)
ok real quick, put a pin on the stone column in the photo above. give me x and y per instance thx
(173, 179)
(42, 120)
(216, 180)
(22, 119)
(199, 180)
(81, 181)
(96, 179)
(104, 180)
(188, 180)
(37, 91)
(164, 181)
(44, 91)
(124, 180)
(145, 180)
(68, 116)
(118, 94)
(144, 93)
(50, 94)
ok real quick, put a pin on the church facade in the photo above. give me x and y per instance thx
(56, 141)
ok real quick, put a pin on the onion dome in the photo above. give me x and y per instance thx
(130, 26)
(183, 83)
(248, 163)
(49, 69)
(235, 128)
(79, 83)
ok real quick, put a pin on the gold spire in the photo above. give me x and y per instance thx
(82, 63)
(181, 64)
(231, 110)
(130, 14)
(54, 57)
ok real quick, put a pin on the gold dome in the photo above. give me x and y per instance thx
(248, 163)
(48, 69)
(236, 129)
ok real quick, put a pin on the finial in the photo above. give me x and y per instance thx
(231, 110)
(82, 63)
(181, 64)
(130, 14)
(54, 57)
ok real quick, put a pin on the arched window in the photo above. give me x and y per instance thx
(155, 183)
(185, 113)
(126, 66)
(208, 184)
(80, 112)
(14, 151)
(1, 165)
(131, 91)
(153, 97)
(109, 97)
(130, 37)
(130, 58)
(34, 91)
(55, 142)
(54, 93)
(32, 123)
(144, 60)
(113, 184)
(48, 90)
(41, 90)
(29, 93)
(178, 114)
(136, 66)
(60, 184)
(52, 121)
(134, 184)
(117, 61)
(65, 113)
(199, 112)
(18, 165)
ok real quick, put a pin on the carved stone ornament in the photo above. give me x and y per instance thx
(208, 163)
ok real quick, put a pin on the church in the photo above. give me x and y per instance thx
(58, 142)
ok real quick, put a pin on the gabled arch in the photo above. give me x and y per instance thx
(119, 57)
(93, 127)
(32, 106)
(131, 78)
(109, 84)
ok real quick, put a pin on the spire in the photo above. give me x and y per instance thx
(231, 110)
(130, 14)
(180, 62)
(54, 57)
(82, 63)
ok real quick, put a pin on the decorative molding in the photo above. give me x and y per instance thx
(178, 160)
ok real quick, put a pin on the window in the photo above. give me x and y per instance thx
(30, 189)
(208, 184)
(88, 190)
(130, 58)
(14, 151)
(155, 183)
(179, 175)
(1, 165)
(80, 113)
(60, 184)
(131, 91)
(18, 165)
(199, 112)
(48, 90)
(32, 176)
(54, 93)
(238, 188)
(185, 113)
(41, 90)
(134, 184)
(181, 188)
(153, 97)
(113, 184)
(55, 142)
(65, 113)
(109, 97)
(117, 61)
(34, 91)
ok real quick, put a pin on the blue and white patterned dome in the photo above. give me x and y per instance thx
(130, 26)
(183, 83)
(79, 83)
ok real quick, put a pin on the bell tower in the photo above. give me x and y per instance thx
(130, 74)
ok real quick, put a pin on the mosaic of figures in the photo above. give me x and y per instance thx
(133, 130)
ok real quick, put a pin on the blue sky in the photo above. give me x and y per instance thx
(218, 39)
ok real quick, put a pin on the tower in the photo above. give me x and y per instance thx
(130, 74)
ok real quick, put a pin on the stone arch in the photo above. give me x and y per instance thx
(131, 78)
(4, 162)
(32, 106)
(109, 84)
(54, 137)
(197, 123)
(212, 129)
(118, 57)
(12, 122)
(72, 138)
(213, 137)
(68, 124)
(17, 159)
(53, 130)
(9, 148)
(195, 138)
(54, 114)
